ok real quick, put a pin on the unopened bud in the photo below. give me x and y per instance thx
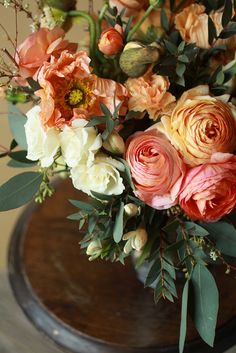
(136, 239)
(94, 249)
(131, 210)
(136, 58)
(111, 41)
(114, 143)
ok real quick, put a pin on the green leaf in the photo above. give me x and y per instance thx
(75, 216)
(82, 205)
(164, 20)
(153, 273)
(19, 190)
(96, 120)
(206, 303)
(195, 230)
(183, 58)
(227, 13)
(171, 47)
(180, 69)
(224, 236)
(17, 121)
(229, 31)
(16, 164)
(127, 173)
(212, 34)
(102, 197)
(118, 227)
(105, 110)
(184, 313)
(20, 156)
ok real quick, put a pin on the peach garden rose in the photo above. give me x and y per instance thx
(132, 7)
(156, 168)
(111, 41)
(201, 125)
(209, 190)
(150, 93)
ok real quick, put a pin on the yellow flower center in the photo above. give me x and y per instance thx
(75, 96)
(79, 94)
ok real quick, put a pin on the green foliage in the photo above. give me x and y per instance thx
(224, 236)
(17, 121)
(205, 303)
(184, 313)
(119, 224)
(19, 190)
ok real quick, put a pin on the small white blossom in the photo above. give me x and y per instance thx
(6, 3)
(213, 255)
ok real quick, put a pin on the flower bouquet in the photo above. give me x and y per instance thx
(143, 121)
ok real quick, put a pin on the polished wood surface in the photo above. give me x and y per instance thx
(96, 307)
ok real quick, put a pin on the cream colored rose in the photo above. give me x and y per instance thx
(79, 144)
(42, 144)
(101, 176)
(149, 93)
(201, 125)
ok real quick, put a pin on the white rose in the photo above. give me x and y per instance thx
(79, 144)
(42, 144)
(102, 177)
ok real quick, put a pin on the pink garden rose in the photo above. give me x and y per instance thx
(156, 168)
(70, 91)
(38, 47)
(132, 7)
(209, 191)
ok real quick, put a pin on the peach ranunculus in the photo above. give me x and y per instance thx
(70, 91)
(209, 191)
(192, 23)
(149, 93)
(38, 47)
(201, 125)
(156, 168)
(132, 7)
(111, 41)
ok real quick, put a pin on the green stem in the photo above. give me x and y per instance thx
(92, 31)
(137, 26)
(100, 18)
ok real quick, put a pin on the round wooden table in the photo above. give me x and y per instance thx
(96, 307)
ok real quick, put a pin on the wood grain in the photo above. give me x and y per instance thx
(96, 307)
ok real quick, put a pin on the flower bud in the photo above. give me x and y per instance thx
(114, 143)
(111, 41)
(136, 58)
(136, 239)
(63, 5)
(94, 249)
(131, 210)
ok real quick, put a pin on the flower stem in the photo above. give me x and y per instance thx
(92, 31)
(137, 26)
(100, 18)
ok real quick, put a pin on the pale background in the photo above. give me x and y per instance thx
(8, 219)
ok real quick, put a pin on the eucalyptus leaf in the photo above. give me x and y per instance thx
(17, 164)
(96, 120)
(19, 190)
(184, 313)
(153, 272)
(82, 205)
(224, 236)
(118, 227)
(205, 306)
(17, 121)
(164, 20)
(227, 13)
(194, 229)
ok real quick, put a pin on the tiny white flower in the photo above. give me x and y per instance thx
(213, 255)
(42, 144)
(94, 249)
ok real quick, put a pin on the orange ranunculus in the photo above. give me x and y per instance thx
(149, 93)
(132, 7)
(38, 47)
(201, 125)
(111, 41)
(156, 168)
(70, 90)
(209, 191)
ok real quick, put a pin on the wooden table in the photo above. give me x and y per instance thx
(96, 307)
